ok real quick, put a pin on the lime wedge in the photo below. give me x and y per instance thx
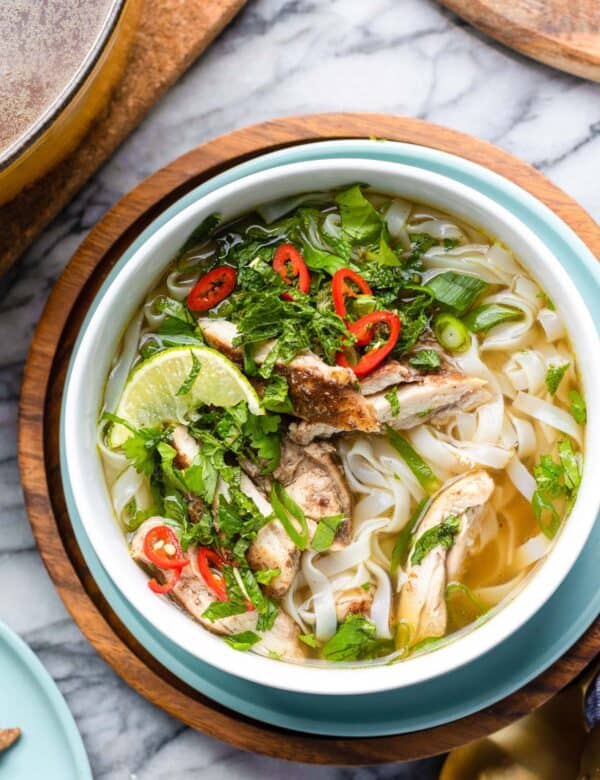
(150, 396)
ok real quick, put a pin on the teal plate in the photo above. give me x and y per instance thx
(484, 681)
(50, 745)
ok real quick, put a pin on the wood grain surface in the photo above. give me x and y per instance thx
(562, 33)
(38, 442)
(171, 34)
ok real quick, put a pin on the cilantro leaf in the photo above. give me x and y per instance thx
(554, 377)
(325, 533)
(556, 481)
(427, 359)
(441, 535)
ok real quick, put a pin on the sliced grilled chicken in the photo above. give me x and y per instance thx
(389, 374)
(272, 548)
(185, 445)
(8, 737)
(422, 602)
(314, 479)
(355, 601)
(431, 398)
(319, 393)
(193, 595)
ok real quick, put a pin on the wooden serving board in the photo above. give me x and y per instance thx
(170, 35)
(562, 33)
(39, 457)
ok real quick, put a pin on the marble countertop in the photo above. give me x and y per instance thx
(279, 57)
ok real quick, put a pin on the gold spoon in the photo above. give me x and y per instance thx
(553, 743)
(8, 737)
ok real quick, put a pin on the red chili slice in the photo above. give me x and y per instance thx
(212, 288)
(340, 289)
(162, 548)
(363, 330)
(288, 254)
(207, 561)
(168, 585)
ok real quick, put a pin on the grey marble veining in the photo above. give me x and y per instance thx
(399, 56)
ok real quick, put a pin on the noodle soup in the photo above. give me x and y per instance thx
(342, 428)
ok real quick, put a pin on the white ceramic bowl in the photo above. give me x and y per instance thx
(115, 306)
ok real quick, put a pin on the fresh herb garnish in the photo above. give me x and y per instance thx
(199, 234)
(554, 376)
(191, 377)
(326, 531)
(243, 641)
(355, 640)
(578, 407)
(486, 317)
(425, 476)
(309, 639)
(426, 359)
(392, 398)
(456, 291)
(556, 481)
(361, 222)
(290, 515)
(264, 576)
(441, 535)
(276, 395)
(402, 544)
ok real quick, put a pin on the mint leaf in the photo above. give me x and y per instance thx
(441, 535)
(276, 395)
(243, 641)
(360, 220)
(355, 640)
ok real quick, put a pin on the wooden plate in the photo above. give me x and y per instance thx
(38, 441)
(562, 33)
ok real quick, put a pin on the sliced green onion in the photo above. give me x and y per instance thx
(402, 544)
(425, 476)
(325, 533)
(457, 291)
(451, 333)
(284, 506)
(489, 315)
(459, 587)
